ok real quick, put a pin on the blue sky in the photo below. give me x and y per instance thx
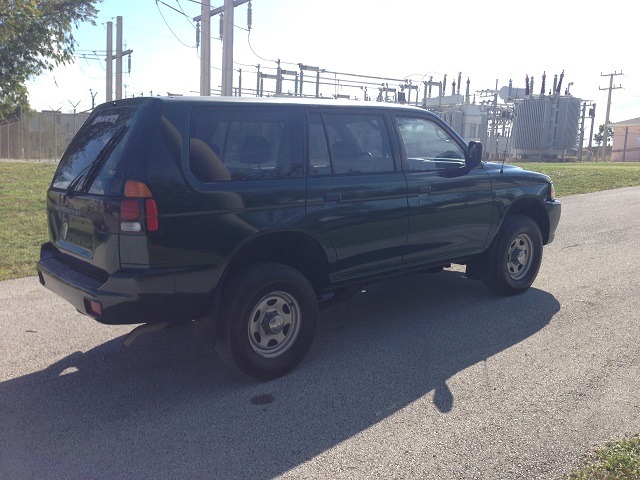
(486, 41)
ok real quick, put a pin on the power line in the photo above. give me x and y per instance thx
(253, 51)
(87, 75)
(85, 56)
(101, 65)
(169, 6)
(365, 76)
(167, 23)
(196, 2)
(248, 65)
(184, 14)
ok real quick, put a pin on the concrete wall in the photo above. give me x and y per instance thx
(626, 143)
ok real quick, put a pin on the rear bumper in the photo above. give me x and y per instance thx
(129, 297)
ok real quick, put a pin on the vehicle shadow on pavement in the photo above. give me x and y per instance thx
(166, 408)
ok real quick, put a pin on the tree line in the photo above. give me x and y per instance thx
(36, 35)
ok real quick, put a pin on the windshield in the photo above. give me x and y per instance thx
(89, 163)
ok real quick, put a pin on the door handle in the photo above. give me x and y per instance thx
(423, 192)
(332, 197)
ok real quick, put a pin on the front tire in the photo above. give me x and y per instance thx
(515, 257)
(268, 316)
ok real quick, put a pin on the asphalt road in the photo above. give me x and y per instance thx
(429, 376)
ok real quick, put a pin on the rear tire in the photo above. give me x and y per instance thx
(515, 256)
(268, 316)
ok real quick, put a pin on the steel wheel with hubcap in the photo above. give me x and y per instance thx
(520, 256)
(515, 256)
(267, 318)
(274, 324)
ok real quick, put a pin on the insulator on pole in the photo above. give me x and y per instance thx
(197, 34)
(249, 17)
(221, 25)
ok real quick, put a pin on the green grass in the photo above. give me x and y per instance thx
(572, 178)
(23, 188)
(23, 219)
(618, 460)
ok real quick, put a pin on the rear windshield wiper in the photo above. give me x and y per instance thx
(88, 174)
(74, 183)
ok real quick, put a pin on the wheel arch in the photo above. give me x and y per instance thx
(532, 207)
(295, 249)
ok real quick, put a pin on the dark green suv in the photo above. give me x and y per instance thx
(246, 214)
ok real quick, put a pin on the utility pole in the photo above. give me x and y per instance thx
(205, 53)
(227, 42)
(227, 49)
(606, 119)
(109, 96)
(592, 115)
(117, 57)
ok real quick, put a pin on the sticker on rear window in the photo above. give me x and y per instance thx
(113, 118)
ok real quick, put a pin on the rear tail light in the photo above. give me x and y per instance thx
(130, 210)
(152, 214)
(135, 189)
(138, 211)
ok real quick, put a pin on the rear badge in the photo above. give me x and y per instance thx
(65, 228)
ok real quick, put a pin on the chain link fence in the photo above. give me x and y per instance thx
(38, 136)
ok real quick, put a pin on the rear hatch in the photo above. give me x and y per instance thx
(84, 199)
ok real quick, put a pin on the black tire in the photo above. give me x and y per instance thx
(515, 256)
(268, 316)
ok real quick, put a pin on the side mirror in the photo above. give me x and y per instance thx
(474, 154)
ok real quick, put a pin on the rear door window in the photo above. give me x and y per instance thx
(245, 143)
(348, 143)
(90, 162)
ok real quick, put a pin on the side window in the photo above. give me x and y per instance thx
(319, 159)
(348, 143)
(244, 143)
(427, 146)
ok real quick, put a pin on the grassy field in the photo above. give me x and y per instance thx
(572, 178)
(617, 460)
(23, 220)
(23, 188)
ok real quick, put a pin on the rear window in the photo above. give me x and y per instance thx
(90, 162)
(245, 143)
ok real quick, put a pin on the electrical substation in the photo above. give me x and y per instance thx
(512, 121)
